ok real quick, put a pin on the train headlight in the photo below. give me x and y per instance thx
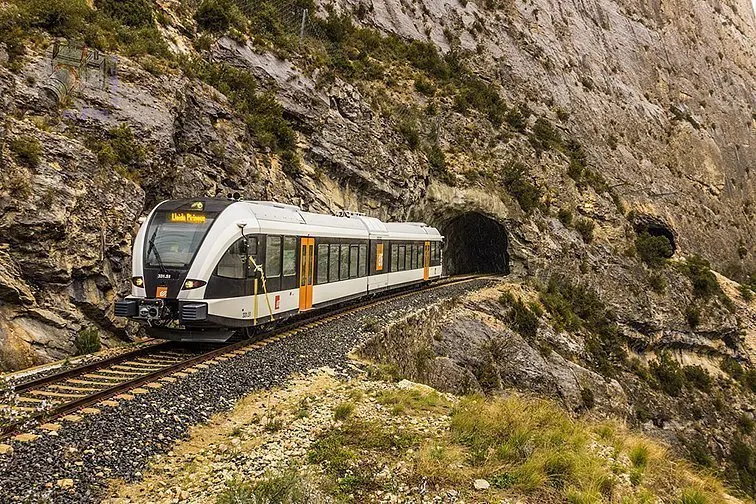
(193, 284)
(137, 281)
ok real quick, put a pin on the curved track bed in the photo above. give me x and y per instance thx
(53, 396)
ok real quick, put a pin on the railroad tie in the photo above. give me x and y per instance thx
(110, 371)
(75, 389)
(89, 382)
(100, 377)
(56, 394)
(144, 364)
(133, 368)
(29, 399)
(16, 408)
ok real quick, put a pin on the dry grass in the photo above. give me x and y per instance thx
(531, 446)
(414, 401)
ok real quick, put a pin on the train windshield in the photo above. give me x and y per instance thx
(174, 237)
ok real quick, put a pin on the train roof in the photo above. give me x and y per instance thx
(282, 218)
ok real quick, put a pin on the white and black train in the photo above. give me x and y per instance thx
(204, 268)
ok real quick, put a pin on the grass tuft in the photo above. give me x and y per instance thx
(27, 151)
(87, 341)
(343, 411)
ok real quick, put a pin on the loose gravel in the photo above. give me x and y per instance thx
(74, 464)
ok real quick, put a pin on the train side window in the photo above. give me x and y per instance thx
(252, 246)
(353, 260)
(394, 257)
(415, 256)
(231, 265)
(333, 269)
(273, 256)
(322, 263)
(434, 248)
(402, 257)
(344, 261)
(290, 256)
(363, 260)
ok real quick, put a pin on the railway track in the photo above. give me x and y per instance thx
(56, 395)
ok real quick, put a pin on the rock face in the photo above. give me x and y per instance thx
(457, 347)
(476, 344)
(661, 103)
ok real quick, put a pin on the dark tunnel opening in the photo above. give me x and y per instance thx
(474, 243)
(655, 229)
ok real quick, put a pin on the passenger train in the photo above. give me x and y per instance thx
(205, 268)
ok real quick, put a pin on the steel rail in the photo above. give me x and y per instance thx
(92, 366)
(315, 316)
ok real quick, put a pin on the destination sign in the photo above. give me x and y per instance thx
(188, 217)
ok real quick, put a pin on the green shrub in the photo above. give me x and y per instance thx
(136, 13)
(574, 307)
(125, 147)
(698, 451)
(425, 86)
(742, 466)
(26, 150)
(693, 316)
(477, 94)
(14, 26)
(746, 293)
(698, 377)
(732, 368)
(61, 18)
(544, 136)
(565, 216)
(653, 250)
(516, 119)
(262, 114)
(658, 283)
(585, 227)
(424, 56)
(524, 321)
(291, 164)
(745, 424)
(668, 374)
(527, 194)
(587, 398)
(698, 271)
(437, 162)
(408, 129)
(125, 26)
(87, 341)
(219, 15)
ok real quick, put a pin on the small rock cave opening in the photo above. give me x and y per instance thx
(474, 243)
(659, 230)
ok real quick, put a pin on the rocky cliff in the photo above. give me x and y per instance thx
(610, 143)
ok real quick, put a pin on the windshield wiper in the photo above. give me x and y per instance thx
(153, 248)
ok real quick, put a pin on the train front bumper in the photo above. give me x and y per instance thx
(160, 309)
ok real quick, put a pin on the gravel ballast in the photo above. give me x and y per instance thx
(75, 463)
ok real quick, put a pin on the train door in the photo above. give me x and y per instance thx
(426, 261)
(306, 273)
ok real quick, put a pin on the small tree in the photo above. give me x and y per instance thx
(653, 250)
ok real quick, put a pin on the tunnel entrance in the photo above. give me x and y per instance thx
(474, 243)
